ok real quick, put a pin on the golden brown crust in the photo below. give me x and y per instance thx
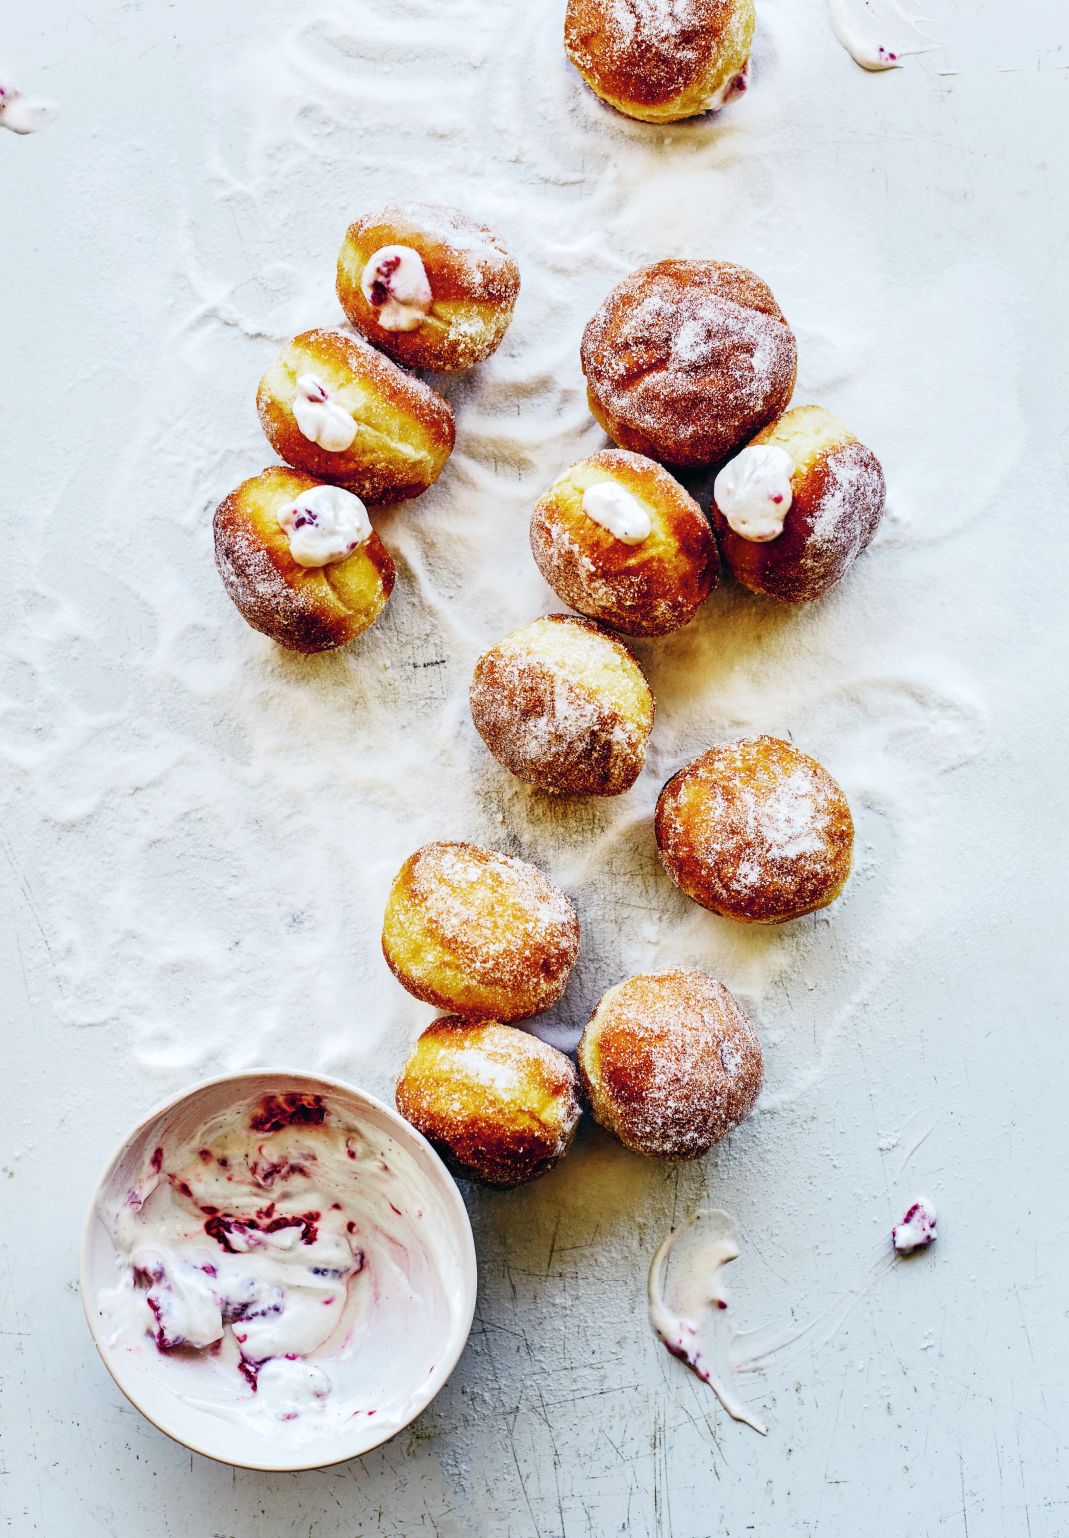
(499, 1105)
(304, 609)
(756, 831)
(685, 360)
(474, 283)
(660, 62)
(479, 932)
(564, 705)
(405, 431)
(669, 1063)
(838, 495)
(641, 590)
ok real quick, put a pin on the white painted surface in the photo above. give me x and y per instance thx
(200, 831)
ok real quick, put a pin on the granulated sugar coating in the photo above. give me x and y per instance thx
(755, 831)
(670, 1063)
(479, 932)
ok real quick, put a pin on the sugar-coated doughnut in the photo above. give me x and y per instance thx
(478, 932)
(334, 407)
(669, 1063)
(427, 284)
(300, 560)
(796, 507)
(756, 831)
(498, 1104)
(564, 705)
(621, 541)
(685, 360)
(661, 60)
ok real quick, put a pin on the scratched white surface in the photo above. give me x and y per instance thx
(198, 832)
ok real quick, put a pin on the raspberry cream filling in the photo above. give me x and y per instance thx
(321, 419)
(395, 283)
(753, 491)
(618, 511)
(323, 525)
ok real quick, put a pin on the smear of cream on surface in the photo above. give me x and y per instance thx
(24, 114)
(877, 34)
(686, 1296)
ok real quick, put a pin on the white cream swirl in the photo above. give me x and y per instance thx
(396, 285)
(24, 114)
(324, 525)
(320, 418)
(615, 509)
(753, 491)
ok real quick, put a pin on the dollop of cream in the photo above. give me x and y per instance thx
(876, 33)
(395, 283)
(686, 1294)
(753, 491)
(324, 524)
(918, 1229)
(615, 509)
(24, 114)
(320, 418)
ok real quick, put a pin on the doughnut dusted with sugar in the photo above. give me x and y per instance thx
(337, 409)
(565, 706)
(427, 284)
(685, 360)
(756, 831)
(499, 1105)
(300, 560)
(479, 933)
(661, 60)
(669, 1063)
(796, 507)
(621, 541)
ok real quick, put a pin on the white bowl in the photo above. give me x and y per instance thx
(167, 1387)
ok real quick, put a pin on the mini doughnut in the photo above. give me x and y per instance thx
(686, 360)
(300, 560)
(428, 285)
(499, 1105)
(796, 507)
(564, 705)
(670, 1064)
(756, 831)
(619, 539)
(659, 61)
(334, 407)
(479, 932)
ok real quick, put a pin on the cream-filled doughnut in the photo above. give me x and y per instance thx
(669, 1063)
(337, 409)
(427, 284)
(685, 360)
(796, 507)
(756, 831)
(301, 560)
(621, 541)
(499, 1105)
(478, 932)
(661, 60)
(564, 705)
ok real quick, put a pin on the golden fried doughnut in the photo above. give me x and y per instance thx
(564, 705)
(314, 580)
(796, 507)
(478, 932)
(498, 1104)
(756, 831)
(428, 285)
(661, 60)
(685, 360)
(621, 541)
(670, 1064)
(334, 407)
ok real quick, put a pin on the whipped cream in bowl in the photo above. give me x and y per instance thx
(278, 1270)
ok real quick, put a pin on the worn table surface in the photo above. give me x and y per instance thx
(198, 832)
